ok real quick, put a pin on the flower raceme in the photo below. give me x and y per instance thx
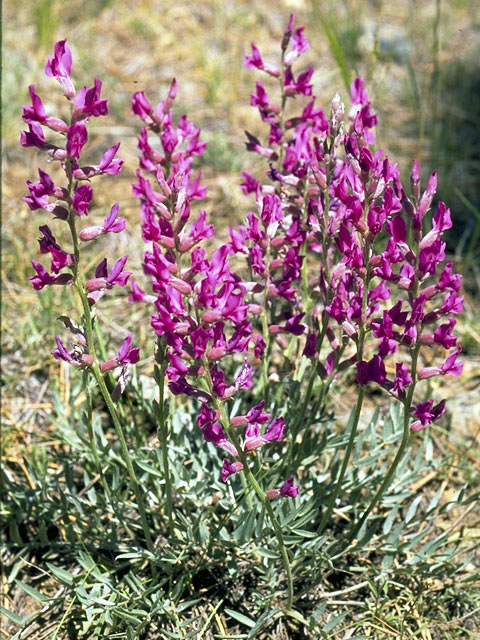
(73, 199)
(202, 308)
(385, 298)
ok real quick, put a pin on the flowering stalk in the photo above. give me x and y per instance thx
(349, 195)
(73, 201)
(262, 496)
(163, 431)
(202, 307)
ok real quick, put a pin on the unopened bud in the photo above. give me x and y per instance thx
(212, 316)
(89, 233)
(109, 365)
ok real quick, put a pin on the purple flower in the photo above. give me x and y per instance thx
(33, 137)
(229, 468)
(299, 45)
(77, 357)
(402, 379)
(426, 414)
(106, 280)
(125, 355)
(274, 432)
(242, 381)
(37, 113)
(142, 107)
(449, 366)
(60, 67)
(287, 490)
(77, 136)
(212, 430)
(112, 223)
(108, 164)
(371, 371)
(48, 244)
(88, 103)
(301, 85)
(81, 199)
(255, 61)
(250, 185)
(39, 192)
(43, 278)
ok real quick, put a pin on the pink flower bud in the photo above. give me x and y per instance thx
(216, 353)
(278, 241)
(109, 365)
(186, 244)
(89, 233)
(212, 316)
(256, 309)
(56, 124)
(167, 242)
(180, 285)
(95, 284)
(273, 494)
(239, 421)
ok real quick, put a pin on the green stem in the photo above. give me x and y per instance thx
(401, 450)
(103, 480)
(95, 369)
(346, 458)
(125, 453)
(265, 331)
(163, 432)
(313, 375)
(258, 490)
(278, 531)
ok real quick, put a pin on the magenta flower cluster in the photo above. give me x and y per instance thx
(202, 308)
(343, 202)
(73, 200)
(336, 254)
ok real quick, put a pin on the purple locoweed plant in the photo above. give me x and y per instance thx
(380, 288)
(67, 204)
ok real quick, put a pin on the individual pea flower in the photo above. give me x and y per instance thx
(77, 137)
(108, 164)
(60, 66)
(212, 430)
(274, 432)
(88, 103)
(255, 61)
(112, 223)
(81, 199)
(229, 468)
(450, 366)
(76, 357)
(43, 278)
(287, 490)
(371, 371)
(48, 244)
(39, 193)
(34, 137)
(37, 113)
(299, 44)
(137, 294)
(426, 414)
(105, 279)
(300, 86)
(126, 355)
(255, 415)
